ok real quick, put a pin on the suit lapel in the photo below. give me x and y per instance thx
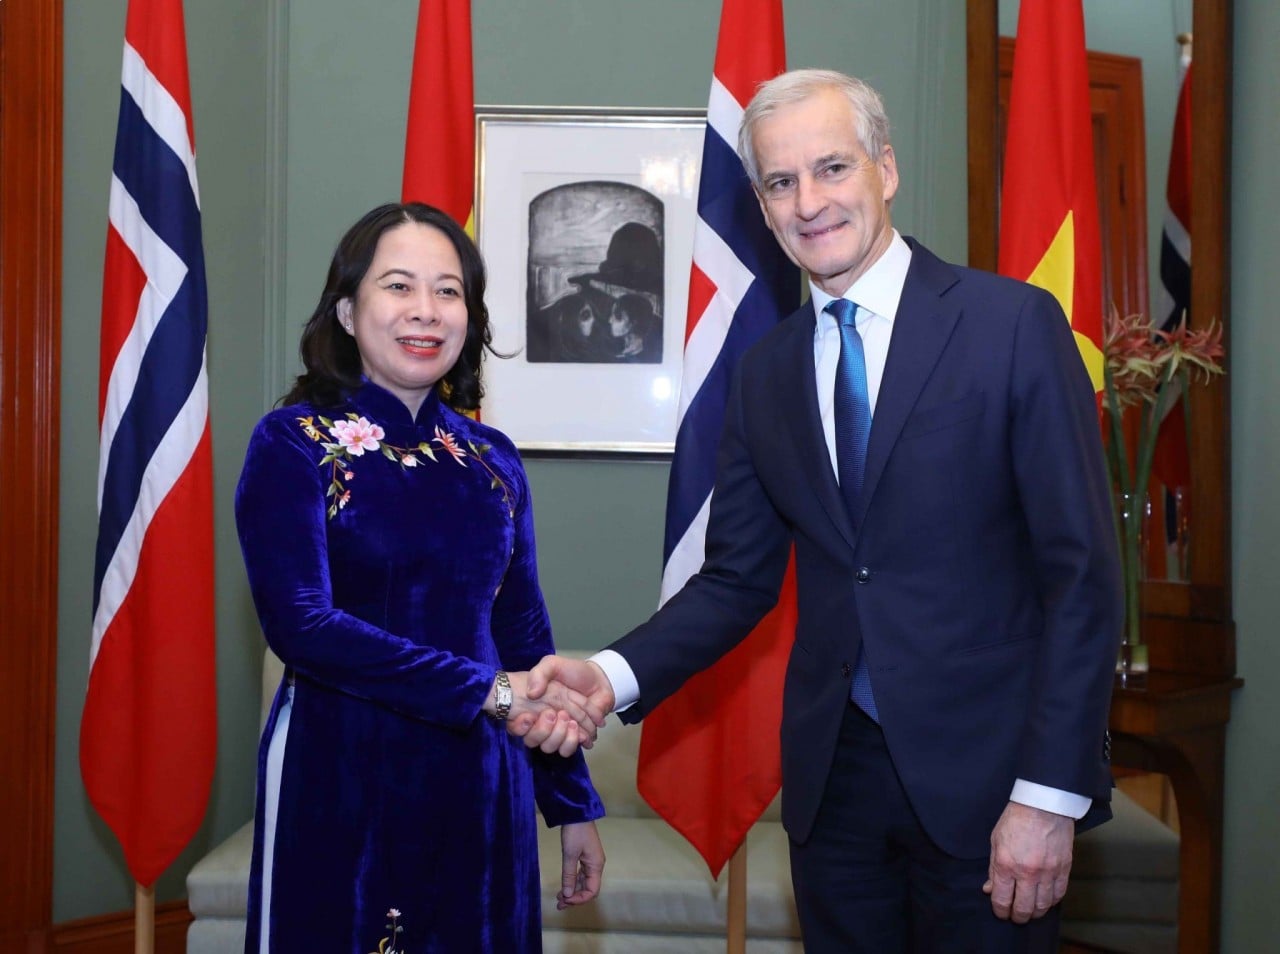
(920, 332)
(806, 435)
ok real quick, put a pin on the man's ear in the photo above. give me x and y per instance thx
(889, 173)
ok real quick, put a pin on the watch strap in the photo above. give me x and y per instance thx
(502, 697)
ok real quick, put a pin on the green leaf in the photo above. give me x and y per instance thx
(386, 452)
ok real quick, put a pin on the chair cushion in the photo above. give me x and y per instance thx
(659, 883)
(218, 885)
(1124, 877)
(1134, 844)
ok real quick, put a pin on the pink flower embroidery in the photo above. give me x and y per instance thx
(357, 436)
(448, 442)
(354, 435)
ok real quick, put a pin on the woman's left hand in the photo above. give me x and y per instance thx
(582, 857)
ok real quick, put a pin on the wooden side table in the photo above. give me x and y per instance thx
(1176, 725)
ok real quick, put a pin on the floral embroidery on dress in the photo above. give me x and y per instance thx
(389, 945)
(355, 434)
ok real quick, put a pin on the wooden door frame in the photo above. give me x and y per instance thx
(30, 341)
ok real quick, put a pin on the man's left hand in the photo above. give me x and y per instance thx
(1030, 862)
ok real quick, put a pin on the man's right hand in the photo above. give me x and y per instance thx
(557, 722)
(580, 675)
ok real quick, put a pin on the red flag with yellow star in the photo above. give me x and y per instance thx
(1049, 233)
(439, 149)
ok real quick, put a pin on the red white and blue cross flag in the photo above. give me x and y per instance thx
(709, 760)
(1172, 302)
(148, 733)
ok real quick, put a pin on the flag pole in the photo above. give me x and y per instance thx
(737, 913)
(144, 919)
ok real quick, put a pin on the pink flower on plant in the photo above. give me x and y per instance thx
(357, 436)
(1200, 351)
(449, 443)
(1133, 357)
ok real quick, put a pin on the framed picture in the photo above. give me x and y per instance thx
(585, 219)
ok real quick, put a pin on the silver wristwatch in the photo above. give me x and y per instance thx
(502, 697)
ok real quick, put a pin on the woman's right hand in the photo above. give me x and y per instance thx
(559, 721)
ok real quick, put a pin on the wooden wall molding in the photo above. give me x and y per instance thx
(30, 294)
(113, 933)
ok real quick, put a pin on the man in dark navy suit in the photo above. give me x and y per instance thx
(926, 436)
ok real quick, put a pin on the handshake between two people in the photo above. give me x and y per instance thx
(558, 705)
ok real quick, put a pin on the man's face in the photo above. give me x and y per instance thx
(825, 199)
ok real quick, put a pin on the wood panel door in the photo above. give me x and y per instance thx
(30, 249)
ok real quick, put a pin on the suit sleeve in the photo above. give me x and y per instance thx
(1061, 480)
(746, 551)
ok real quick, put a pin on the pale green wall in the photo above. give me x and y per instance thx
(1251, 889)
(281, 178)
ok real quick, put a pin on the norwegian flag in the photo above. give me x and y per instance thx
(709, 760)
(148, 733)
(1171, 464)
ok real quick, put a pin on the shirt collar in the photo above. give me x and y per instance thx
(878, 290)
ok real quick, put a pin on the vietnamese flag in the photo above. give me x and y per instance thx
(1049, 233)
(439, 148)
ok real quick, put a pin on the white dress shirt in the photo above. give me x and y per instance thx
(876, 293)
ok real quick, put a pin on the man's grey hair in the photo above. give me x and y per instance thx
(871, 123)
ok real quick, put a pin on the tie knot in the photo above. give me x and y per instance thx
(843, 311)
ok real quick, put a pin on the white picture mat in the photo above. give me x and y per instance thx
(583, 407)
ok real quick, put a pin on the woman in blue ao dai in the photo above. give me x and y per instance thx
(389, 546)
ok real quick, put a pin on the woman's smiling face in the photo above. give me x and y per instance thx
(409, 314)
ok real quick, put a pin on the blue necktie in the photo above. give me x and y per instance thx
(853, 427)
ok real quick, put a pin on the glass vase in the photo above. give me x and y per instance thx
(1132, 519)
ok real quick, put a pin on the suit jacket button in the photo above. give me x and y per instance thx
(845, 669)
(864, 575)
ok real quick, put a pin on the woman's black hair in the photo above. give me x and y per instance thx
(330, 355)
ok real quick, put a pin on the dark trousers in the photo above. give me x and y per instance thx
(869, 879)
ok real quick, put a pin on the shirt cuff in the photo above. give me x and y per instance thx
(626, 690)
(1050, 799)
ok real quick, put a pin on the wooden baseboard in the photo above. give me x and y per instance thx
(113, 933)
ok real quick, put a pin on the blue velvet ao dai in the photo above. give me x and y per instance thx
(392, 616)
